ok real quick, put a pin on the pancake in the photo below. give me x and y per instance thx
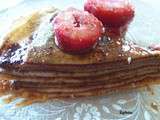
(30, 61)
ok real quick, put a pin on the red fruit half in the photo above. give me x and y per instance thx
(76, 31)
(112, 13)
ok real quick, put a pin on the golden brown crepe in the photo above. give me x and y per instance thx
(30, 61)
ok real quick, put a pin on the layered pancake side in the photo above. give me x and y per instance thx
(31, 61)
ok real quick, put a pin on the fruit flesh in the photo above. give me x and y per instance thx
(76, 31)
(112, 13)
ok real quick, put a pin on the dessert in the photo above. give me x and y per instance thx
(31, 61)
(112, 13)
(76, 30)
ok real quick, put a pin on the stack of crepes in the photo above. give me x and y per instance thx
(31, 62)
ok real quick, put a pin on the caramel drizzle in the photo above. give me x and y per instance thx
(31, 97)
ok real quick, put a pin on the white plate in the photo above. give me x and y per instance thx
(137, 104)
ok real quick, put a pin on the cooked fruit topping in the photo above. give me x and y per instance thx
(76, 31)
(116, 31)
(112, 13)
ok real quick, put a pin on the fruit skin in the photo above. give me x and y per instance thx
(76, 31)
(112, 13)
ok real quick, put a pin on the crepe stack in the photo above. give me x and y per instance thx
(31, 62)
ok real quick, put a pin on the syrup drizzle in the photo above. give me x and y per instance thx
(21, 49)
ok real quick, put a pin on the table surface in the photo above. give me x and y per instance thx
(131, 105)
